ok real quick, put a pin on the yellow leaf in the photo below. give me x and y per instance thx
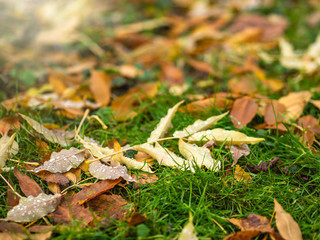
(287, 226)
(224, 136)
(241, 175)
(187, 232)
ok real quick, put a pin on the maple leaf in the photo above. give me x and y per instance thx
(33, 208)
(62, 161)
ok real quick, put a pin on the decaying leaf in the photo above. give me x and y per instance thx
(164, 156)
(95, 149)
(136, 218)
(6, 144)
(8, 123)
(199, 125)
(187, 232)
(62, 161)
(224, 136)
(101, 171)
(287, 226)
(51, 136)
(164, 124)
(243, 111)
(144, 178)
(241, 175)
(198, 155)
(33, 208)
(264, 166)
(28, 186)
(239, 151)
(253, 222)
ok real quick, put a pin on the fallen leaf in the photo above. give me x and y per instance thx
(9, 123)
(239, 151)
(242, 235)
(101, 171)
(63, 161)
(201, 66)
(51, 136)
(6, 148)
(74, 175)
(94, 190)
(263, 166)
(164, 124)
(12, 198)
(243, 111)
(143, 178)
(171, 74)
(199, 125)
(111, 205)
(200, 156)
(294, 103)
(224, 136)
(243, 85)
(240, 175)
(54, 188)
(28, 186)
(286, 225)
(100, 87)
(136, 219)
(33, 208)
(253, 222)
(187, 232)
(164, 156)
(273, 112)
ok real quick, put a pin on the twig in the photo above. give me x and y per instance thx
(9, 185)
(30, 163)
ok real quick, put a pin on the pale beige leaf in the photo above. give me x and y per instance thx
(294, 103)
(198, 155)
(95, 149)
(63, 161)
(33, 208)
(287, 226)
(164, 124)
(164, 156)
(239, 151)
(132, 163)
(187, 232)
(224, 136)
(6, 147)
(48, 134)
(102, 171)
(199, 125)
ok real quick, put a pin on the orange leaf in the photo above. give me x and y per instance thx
(28, 186)
(100, 87)
(273, 112)
(243, 111)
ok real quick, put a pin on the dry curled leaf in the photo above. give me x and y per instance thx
(6, 147)
(199, 125)
(287, 226)
(33, 208)
(224, 136)
(101, 171)
(264, 166)
(50, 135)
(239, 151)
(164, 124)
(62, 161)
(164, 156)
(201, 156)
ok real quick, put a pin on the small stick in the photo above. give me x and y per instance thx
(30, 163)
(9, 185)
(219, 225)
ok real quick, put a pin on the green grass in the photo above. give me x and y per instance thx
(210, 196)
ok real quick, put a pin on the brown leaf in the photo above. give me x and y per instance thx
(74, 175)
(253, 222)
(136, 218)
(8, 123)
(239, 151)
(111, 205)
(243, 84)
(100, 87)
(28, 186)
(40, 228)
(144, 178)
(243, 111)
(171, 74)
(201, 66)
(54, 187)
(94, 190)
(309, 122)
(287, 226)
(57, 178)
(273, 112)
(264, 166)
(242, 235)
(66, 211)
(12, 198)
